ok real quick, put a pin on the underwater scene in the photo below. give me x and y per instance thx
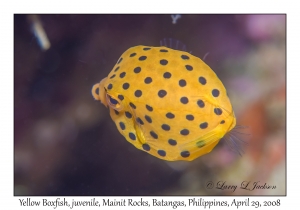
(149, 105)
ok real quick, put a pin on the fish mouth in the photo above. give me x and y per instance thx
(99, 93)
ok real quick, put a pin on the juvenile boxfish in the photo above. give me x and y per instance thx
(166, 102)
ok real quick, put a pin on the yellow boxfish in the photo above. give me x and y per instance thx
(166, 102)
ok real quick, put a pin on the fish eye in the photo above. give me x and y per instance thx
(113, 103)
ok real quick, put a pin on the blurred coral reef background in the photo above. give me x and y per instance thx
(66, 144)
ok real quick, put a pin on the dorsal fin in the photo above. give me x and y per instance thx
(173, 43)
